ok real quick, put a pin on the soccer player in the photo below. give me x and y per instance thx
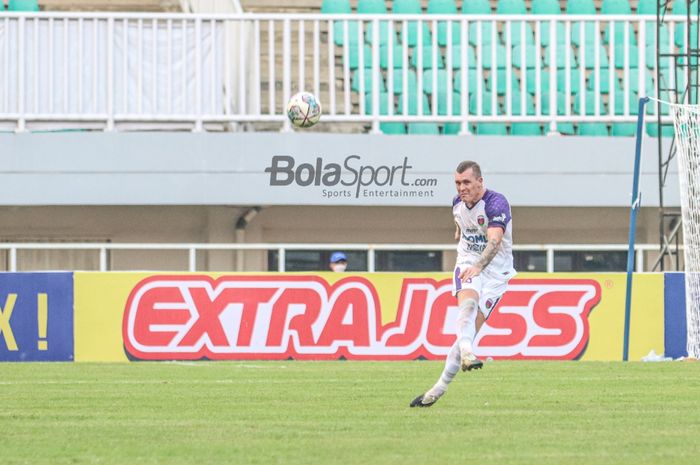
(484, 267)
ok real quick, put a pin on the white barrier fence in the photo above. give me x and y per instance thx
(191, 250)
(197, 71)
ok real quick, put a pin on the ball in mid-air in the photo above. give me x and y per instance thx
(304, 110)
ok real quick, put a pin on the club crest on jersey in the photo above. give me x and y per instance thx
(481, 220)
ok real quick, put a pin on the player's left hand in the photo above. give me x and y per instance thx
(469, 272)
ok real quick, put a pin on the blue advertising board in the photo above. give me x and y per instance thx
(675, 325)
(36, 316)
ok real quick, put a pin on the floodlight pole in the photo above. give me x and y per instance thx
(636, 202)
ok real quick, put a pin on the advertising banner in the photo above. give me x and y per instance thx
(36, 316)
(378, 316)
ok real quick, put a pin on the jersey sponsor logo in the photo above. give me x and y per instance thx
(304, 317)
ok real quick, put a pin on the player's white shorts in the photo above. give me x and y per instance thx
(489, 288)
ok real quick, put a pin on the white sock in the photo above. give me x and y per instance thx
(466, 324)
(452, 365)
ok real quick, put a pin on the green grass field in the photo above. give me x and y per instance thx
(349, 413)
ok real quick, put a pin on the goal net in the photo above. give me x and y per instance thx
(686, 119)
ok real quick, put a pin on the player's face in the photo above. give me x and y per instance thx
(469, 187)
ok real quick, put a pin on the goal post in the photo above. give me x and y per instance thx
(686, 122)
(636, 202)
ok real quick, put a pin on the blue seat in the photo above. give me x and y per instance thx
(590, 129)
(625, 129)
(603, 79)
(354, 56)
(574, 80)
(375, 7)
(488, 52)
(396, 55)
(499, 80)
(587, 58)
(412, 108)
(517, 109)
(618, 7)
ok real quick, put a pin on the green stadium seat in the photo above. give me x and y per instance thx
(374, 7)
(646, 7)
(511, 7)
(604, 81)
(441, 7)
(411, 82)
(452, 129)
(650, 54)
(532, 59)
(620, 55)
(371, 7)
(589, 56)
(23, 5)
(523, 129)
(385, 101)
(476, 7)
(501, 80)
(562, 128)
(625, 129)
(548, 7)
(427, 58)
(616, 7)
(428, 80)
(680, 8)
(487, 109)
(442, 103)
(336, 6)
(412, 7)
(593, 129)
(354, 56)
(545, 7)
(666, 130)
(396, 54)
(458, 57)
(340, 7)
(366, 74)
(560, 54)
(479, 7)
(487, 36)
(412, 109)
(589, 98)
(649, 88)
(430, 129)
(582, 7)
(574, 80)
(472, 81)
(487, 52)
(393, 128)
(519, 31)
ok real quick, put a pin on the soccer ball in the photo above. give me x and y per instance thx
(303, 110)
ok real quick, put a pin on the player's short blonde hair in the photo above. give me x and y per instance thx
(466, 164)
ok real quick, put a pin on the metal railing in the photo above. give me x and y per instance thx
(189, 71)
(192, 249)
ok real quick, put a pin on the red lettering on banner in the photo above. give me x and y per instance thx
(303, 317)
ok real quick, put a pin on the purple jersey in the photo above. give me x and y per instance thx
(491, 211)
